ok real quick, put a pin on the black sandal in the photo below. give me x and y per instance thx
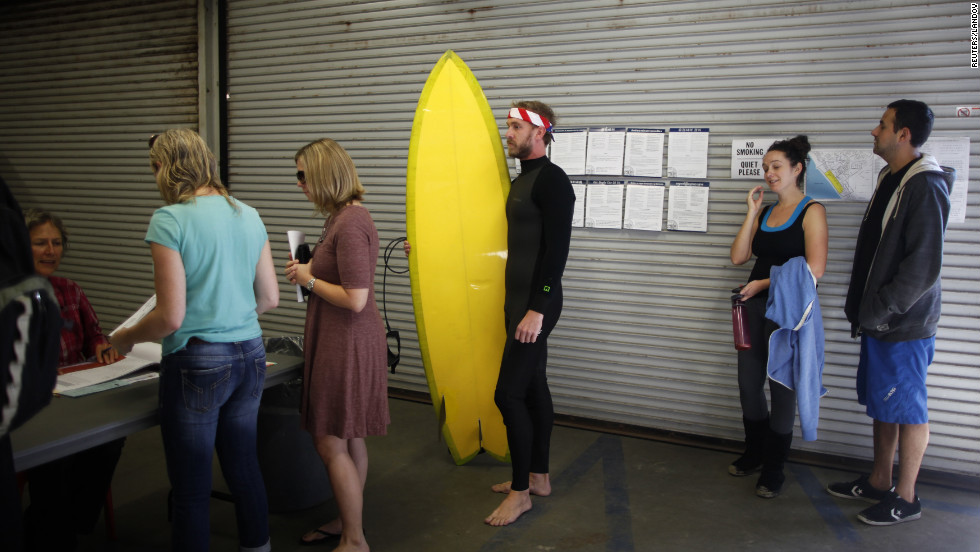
(326, 536)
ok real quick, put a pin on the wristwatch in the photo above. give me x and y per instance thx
(309, 285)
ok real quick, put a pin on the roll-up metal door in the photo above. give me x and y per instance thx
(645, 337)
(83, 85)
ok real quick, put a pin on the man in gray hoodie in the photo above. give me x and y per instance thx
(893, 303)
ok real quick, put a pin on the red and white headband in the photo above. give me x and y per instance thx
(531, 117)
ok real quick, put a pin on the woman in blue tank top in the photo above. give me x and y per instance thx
(793, 226)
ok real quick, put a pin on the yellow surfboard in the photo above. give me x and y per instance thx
(456, 192)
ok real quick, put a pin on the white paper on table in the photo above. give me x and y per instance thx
(148, 306)
(142, 355)
(135, 377)
(296, 238)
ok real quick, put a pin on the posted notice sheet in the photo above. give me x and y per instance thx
(687, 153)
(604, 205)
(953, 152)
(644, 155)
(687, 206)
(568, 149)
(578, 212)
(644, 206)
(747, 154)
(847, 174)
(604, 154)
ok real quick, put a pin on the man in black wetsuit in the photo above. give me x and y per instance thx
(539, 220)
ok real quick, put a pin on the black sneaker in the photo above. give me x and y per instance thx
(770, 483)
(859, 489)
(745, 465)
(891, 511)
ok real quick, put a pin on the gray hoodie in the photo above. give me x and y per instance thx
(901, 300)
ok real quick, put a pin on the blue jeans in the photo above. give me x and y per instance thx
(209, 399)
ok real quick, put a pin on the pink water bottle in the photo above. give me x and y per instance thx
(740, 324)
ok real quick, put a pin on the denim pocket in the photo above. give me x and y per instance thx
(201, 387)
(259, 377)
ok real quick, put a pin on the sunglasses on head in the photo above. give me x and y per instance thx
(152, 140)
(301, 176)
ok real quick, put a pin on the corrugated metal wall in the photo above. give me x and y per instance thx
(83, 85)
(645, 337)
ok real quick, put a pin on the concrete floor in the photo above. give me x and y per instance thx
(611, 493)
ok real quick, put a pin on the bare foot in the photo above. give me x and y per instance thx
(540, 485)
(516, 503)
(353, 545)
(328, 531)
(501, 487)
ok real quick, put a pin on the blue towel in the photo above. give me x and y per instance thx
(796, 348)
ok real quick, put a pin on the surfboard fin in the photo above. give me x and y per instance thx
(479, 430)
(442, 419)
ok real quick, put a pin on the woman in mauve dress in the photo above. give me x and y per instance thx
(345, 386)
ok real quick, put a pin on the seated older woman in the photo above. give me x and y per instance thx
(81, 336)
(67, 494)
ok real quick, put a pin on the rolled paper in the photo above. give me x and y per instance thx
(296, 238)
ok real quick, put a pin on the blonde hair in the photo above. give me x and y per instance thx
(331, 178)
(185, 166)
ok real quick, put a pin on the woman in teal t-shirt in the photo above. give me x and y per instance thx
(213, 275)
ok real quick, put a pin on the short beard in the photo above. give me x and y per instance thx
(521, 150)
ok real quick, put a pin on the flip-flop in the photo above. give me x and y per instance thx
(326, 536)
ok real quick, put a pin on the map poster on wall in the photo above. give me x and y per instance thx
(604, 205)
(578, 212)
(644, 206)
(747, 154)
(953, 152)
(687, 206)
(644, 154)
(568, 149)
(604, 154)
(846, 174)
(687, 153)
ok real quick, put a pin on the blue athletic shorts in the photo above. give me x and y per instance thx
(891, 379)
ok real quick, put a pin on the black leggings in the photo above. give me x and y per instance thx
(752, 375)
(524, 400)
